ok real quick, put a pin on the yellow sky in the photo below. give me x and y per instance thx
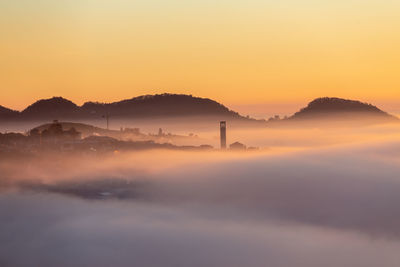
(253, 53)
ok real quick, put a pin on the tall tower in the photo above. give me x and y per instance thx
(222, 133)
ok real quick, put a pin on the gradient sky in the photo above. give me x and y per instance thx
(254, 55)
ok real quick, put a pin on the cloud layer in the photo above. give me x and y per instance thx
(318, 207)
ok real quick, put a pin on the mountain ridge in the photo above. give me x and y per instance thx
(6, 113)
(146, 106)
(330, 106)
(181, 105)
(51, 107)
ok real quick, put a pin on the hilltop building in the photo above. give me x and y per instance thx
(237, 146)
(133, 131)
(55, 133)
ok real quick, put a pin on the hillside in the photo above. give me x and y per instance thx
(6, 113)
(332, 108)
(186, 107)
(164, 105)
(85, 129)
(148, 106)
(56, 107)
(132, 134)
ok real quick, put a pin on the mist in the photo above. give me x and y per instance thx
(319, 204)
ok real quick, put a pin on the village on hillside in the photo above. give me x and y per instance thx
(65, 138)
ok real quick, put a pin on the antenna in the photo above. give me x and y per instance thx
(107, 117)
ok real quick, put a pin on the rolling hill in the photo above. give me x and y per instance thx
(147, 106)
(7, 114)
(330, 109)
(162, 106)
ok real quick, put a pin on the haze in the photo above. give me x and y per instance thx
(309, 198)
(242, 133)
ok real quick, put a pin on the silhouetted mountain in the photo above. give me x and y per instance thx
(340, 109)
(186, 106)
(56, 107)
(163, 105)
(6, 113)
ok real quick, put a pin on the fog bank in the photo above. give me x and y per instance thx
(320, 206)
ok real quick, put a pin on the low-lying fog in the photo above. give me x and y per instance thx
(328, 199)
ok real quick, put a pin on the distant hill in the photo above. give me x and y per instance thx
(85, 129)
(332, 108)
(147, 106)
(186, 106)
(6, 113)
(56, 107)
(163, 105)
(131, 134)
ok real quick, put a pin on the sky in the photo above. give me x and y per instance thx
(257, 56)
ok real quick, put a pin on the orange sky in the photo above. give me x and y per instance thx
(254, 55)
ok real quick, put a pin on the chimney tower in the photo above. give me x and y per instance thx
(222, 131)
